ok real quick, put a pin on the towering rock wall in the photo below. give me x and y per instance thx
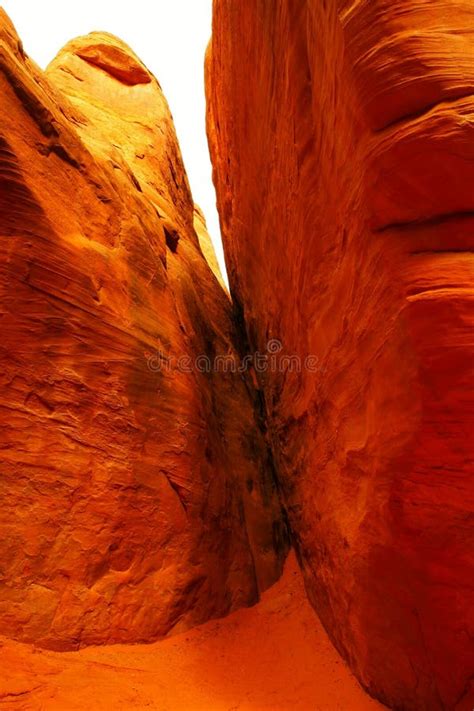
(342, 143)
(135, 497)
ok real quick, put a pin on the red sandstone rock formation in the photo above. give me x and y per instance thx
(206, 245)
(342, 142)
(134, 501)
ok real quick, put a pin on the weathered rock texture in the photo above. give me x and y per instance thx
(343, 146)
(134, 500)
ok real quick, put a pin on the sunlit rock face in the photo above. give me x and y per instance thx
(343, 148)
(136, 497)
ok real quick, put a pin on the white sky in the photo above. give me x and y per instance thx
(170, 36)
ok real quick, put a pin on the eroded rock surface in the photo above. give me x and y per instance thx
(342, 143)
(135, 499)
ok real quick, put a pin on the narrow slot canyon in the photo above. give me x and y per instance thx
(253, 494)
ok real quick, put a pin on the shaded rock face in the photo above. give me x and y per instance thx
(342, 144)
(135, 495)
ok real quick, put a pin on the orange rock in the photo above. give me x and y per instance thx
(135, 498)
(342, 147)
(206, 245)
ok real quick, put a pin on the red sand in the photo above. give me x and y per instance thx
(273, 657)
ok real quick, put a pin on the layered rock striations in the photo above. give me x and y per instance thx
(342, 143)
(135, 494)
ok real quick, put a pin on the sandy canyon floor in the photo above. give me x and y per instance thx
(273, 657)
